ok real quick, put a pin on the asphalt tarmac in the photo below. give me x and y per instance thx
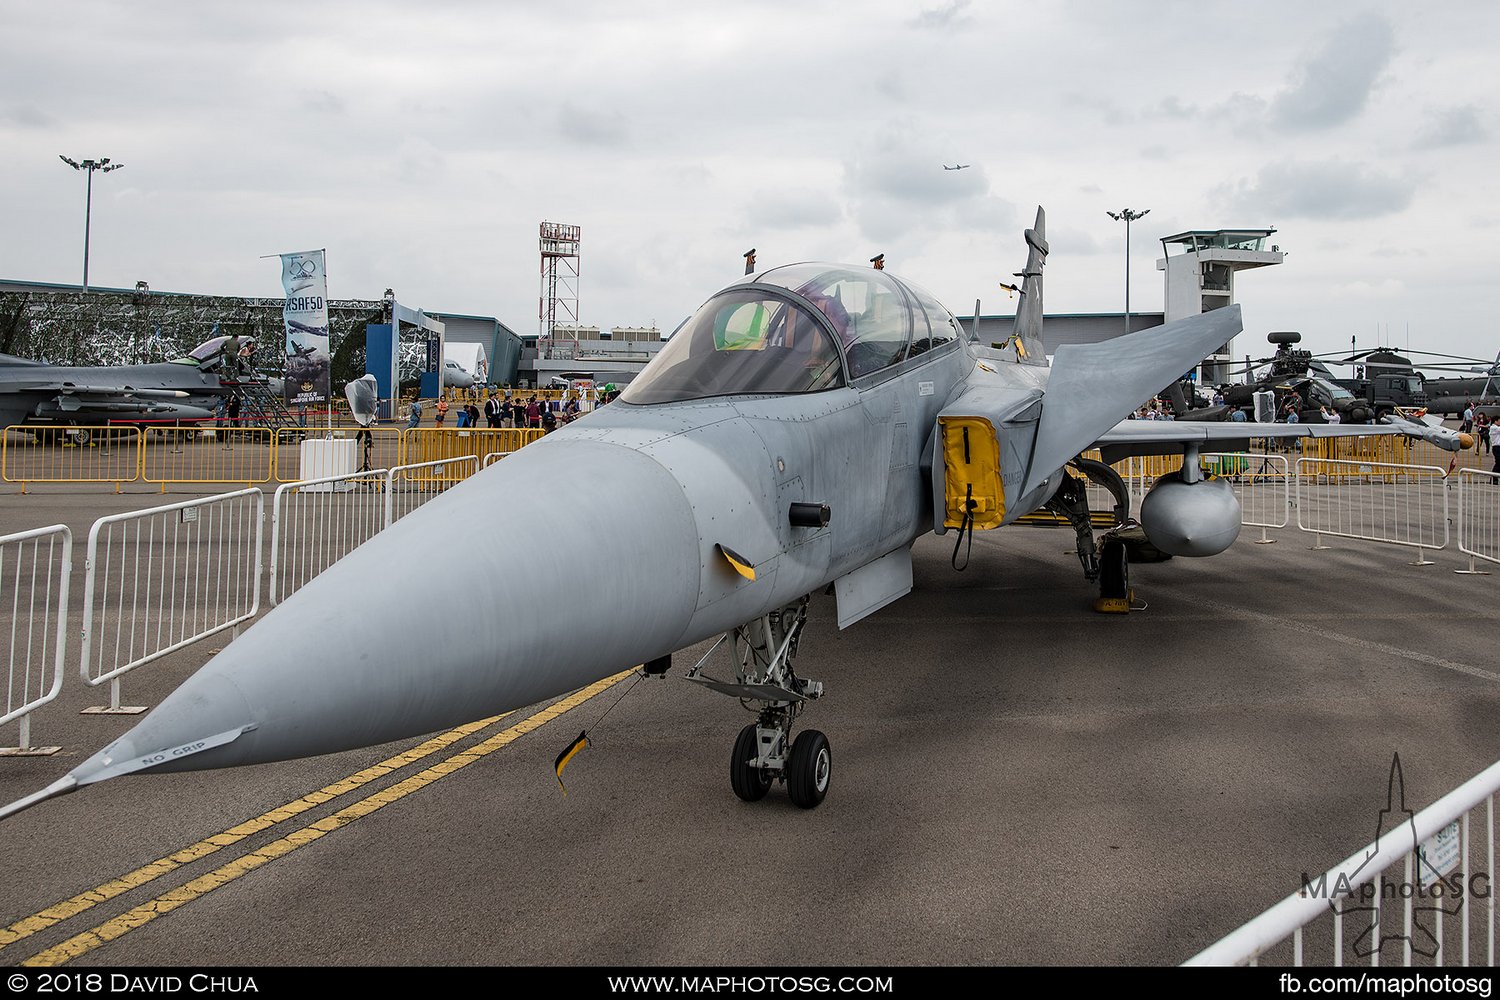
(1016, 780)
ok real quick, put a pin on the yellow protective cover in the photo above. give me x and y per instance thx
(971, 471)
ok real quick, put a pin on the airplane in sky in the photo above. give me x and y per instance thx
(798, 433)
(187, 389)
(956, 166)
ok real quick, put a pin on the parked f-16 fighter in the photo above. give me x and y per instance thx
(798, 433)
(187, 389)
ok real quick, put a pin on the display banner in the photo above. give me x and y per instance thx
(305, 318)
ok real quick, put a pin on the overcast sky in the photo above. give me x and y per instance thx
(422, 144)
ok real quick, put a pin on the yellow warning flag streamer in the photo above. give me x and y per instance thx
(741, 565)
(568, 754)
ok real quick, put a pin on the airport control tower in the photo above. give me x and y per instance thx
(1200, 267)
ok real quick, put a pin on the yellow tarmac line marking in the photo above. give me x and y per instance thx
(59, 912)
(82, 944)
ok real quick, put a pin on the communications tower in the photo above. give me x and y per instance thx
(560, 266)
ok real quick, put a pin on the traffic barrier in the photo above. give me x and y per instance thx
(1384, 449)
(1262, 483)
(207, 454)
(316, 522)
(1478, 518)
(408, 487)
(35, 567)
(426, 445)
(1141, 472)
(1353, 458)
(158, 580)
(1436, 896)
(1374, 501)
(57, 454)
(385, 448)
(1426, 453)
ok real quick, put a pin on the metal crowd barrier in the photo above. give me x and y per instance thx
(1389, 449)
(160, 579)
(316, 522)
(207, 454)
(35, 567)
(1435, 896)
(46, 454)
(216, 453)
(423, 445)
(1478, 518)
(408, 487)
(385, 447)
(1374, 501)
(1262, 483)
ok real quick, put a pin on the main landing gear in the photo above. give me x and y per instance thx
(1107, 558)
(765, 683)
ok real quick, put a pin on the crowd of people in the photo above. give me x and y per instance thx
(503, 412)
(1154, 409)
(1486, 431)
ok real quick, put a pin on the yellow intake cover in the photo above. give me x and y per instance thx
(971, 472)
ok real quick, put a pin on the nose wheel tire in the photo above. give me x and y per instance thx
(808, 769)
(748, 781)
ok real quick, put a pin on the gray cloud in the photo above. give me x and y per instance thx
(324, 101)
(896, 188)
(1327, 190)
(1456, 126)
(949, 15)
(1070, 241)
(592, 127)
(794, 209)
(1172, 107)
(25, 116)
(1098, 103)
(891, 84)
(1331, 85)
(911, 174)
(418, 161)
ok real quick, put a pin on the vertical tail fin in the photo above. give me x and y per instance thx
(1028, 326)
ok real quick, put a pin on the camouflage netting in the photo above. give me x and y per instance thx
(118, 328)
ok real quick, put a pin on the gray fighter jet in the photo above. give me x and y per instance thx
(798, 433)
(187, 389)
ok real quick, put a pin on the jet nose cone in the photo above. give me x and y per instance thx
(506, 590)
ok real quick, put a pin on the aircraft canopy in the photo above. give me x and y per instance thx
(755, 338)
(209, 353)
(881, 320)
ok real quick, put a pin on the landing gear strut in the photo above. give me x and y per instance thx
(766, 684)
(1105, 559)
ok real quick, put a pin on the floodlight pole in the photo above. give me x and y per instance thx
(89, 166)
(1127, 216)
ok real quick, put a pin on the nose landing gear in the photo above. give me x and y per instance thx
(765, 683)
